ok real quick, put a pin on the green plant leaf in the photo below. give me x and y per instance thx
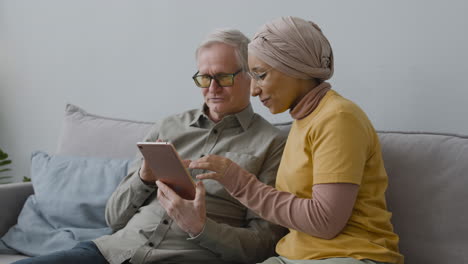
(4, 178)
(26, 179)
(5, 162)
(5, 182)
(3, 155)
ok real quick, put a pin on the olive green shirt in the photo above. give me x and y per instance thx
(144, 232)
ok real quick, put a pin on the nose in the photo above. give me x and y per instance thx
(255, 90)
(214, 86)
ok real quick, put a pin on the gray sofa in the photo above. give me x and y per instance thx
(428, 176)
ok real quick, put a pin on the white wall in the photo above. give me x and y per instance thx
(404, 62)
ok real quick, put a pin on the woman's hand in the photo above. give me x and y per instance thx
(217, 164)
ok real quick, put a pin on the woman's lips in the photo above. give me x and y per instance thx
(265, 101)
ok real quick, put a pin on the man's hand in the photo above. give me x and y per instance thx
(190, 216)
(146, 174)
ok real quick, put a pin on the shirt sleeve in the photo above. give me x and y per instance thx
(131, 193)
(340, 146)
(323, 216)
(257, 240)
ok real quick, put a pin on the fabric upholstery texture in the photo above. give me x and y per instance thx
(8, 258)
(68, 204)
(86, 134)
(12, 198)
(427, 194)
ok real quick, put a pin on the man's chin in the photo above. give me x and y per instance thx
(216, 107)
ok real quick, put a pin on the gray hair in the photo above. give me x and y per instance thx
(232, 37)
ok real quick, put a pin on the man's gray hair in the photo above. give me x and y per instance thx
(232, 37)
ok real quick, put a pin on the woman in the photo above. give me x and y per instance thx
(330, 188)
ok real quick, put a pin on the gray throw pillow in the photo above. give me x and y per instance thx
(85, 134)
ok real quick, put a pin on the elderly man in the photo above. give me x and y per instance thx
(151, 223)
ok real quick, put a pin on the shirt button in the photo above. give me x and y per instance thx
(165, 222)
(215, 131)
(150, 244)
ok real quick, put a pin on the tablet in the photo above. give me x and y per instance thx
(167, 166)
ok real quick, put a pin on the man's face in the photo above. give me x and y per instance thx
(216, 59)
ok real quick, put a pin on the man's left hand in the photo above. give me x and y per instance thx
(189, 215)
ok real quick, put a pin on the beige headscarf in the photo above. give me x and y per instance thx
(295, 47)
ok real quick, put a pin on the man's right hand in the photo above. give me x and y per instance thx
(146, 174)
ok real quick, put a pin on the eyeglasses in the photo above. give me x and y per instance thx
(258, 77)
(223, 80)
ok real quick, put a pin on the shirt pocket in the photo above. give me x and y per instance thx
(249, 162)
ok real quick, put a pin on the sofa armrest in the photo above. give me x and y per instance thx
(12, 198)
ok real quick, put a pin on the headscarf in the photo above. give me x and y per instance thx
(295, 47)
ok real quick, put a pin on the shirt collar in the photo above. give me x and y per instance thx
(198, 117)
(243, 117)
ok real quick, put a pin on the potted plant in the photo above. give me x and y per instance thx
(4, 161)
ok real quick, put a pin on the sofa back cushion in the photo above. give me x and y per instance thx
(85, 134)
(427, 194)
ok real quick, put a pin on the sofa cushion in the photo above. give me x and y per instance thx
(427, 194)
(68, 205)
(9, 258)
(86, 134)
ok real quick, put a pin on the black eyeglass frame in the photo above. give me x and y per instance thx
(215, 77)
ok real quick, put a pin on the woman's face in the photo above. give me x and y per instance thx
(276, 90)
